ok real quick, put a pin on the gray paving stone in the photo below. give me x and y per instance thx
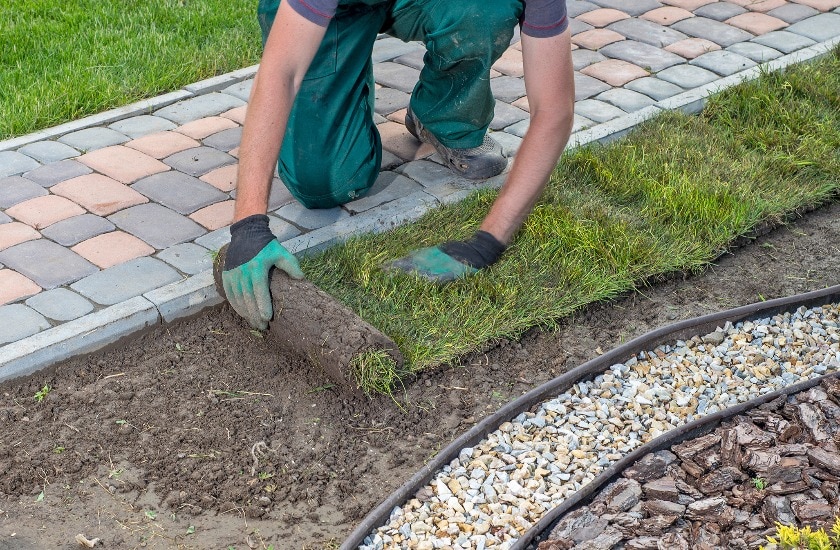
(582, 58)
(198, 160)
(586, 86)
(756, 52)
(506, 114)
(157, 225)
(654, 87)
(647, 32)
(199, 107)
(278, 195)
(719, 11)
(224, 140)
(141, 125)
(509, 142)
(413, 59)
(428, 173)
(18, 321)
(395, 75)
(13, 163)
(576, 26)
(579, 7)
(723, 62)
(389, 100)
(581, 123)
(614, 129)
(632, 7)
(597, 110)
(626, 100)
(90, 139)
(215, 240)
(719, 33)
(520, 128)
(187, 257)
(793, 13)
(60, 304)
(687, 76)
(819, 27)
(643, 55)
(389, 47)
(56, 172)
(241, 90)
(379, 119)
(126, 280)
(389, 186)
(785, 42)
(311, 219)
(507, 88)
(72, 231)
(389, 160)
(48, 264)
(180, 192)
(83, 335)
(48, 151)
(185, 297)
(282, 229)
(4, 218)
(16, 189)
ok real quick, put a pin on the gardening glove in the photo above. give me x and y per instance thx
(252, 252)
(452, 260)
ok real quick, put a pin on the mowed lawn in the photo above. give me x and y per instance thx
(60, 61)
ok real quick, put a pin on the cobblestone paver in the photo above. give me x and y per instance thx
(109, 224)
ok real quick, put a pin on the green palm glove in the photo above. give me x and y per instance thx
(252, 252)
(452, 260)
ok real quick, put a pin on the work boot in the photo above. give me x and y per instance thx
(477, 163)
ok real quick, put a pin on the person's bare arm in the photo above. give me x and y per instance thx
(289, 50)
(549, 83)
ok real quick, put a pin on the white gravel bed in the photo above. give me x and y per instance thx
(493, 492)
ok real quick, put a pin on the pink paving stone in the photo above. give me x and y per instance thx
(756, 23)
(614, 72)
(234, 152)
(100, 194)
(689, 5)
(14, 286)
(692, 47)
(759, 5)
(15, 233)
(123, 164)
(602, 17)
(820, 5)
(667, 15)
(203, 127)
(43, 211)
(236, 114)
(110, 249)
(522, 103)
(510, 63)
(223, 179)
(396, 139)
(595, 39)
(214, 216)
(397, 116)
(163, 144)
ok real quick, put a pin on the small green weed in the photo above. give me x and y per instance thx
(759, 483)
(42, 394)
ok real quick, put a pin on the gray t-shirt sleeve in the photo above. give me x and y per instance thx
(318, 11)
(544, 18)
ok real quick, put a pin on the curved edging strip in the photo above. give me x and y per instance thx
(693, 429)
(676, 331)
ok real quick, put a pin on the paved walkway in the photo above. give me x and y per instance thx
(107, 224)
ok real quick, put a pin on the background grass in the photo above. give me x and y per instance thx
(60, 61)
(671, 197)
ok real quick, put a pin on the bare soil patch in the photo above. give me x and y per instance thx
(199, 434)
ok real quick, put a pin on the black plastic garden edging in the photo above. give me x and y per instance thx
(585, 372)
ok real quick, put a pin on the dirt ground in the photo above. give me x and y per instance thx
(198, 435)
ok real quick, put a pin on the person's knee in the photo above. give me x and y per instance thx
(479, 32)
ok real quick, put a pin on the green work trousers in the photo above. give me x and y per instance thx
(332, 151)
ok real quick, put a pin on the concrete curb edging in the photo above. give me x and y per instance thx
(195, 293)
